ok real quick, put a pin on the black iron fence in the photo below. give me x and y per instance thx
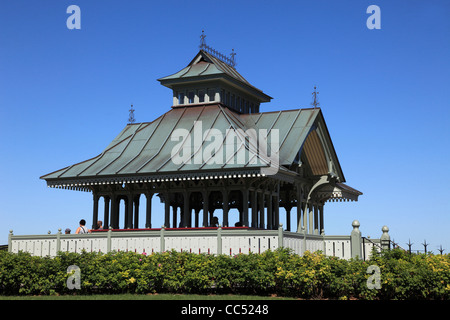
(426, 247)
(367, 243)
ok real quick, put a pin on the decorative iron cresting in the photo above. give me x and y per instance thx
(231, 61)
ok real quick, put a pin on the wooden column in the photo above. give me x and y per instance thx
(276, 199)
(254, 203)
(244, 221)
(310, 218)
(95, 211)
(288, 217)
(316, 219)
(321, 222)
(106, 212)
(148, 214)
(205, 195)
(174, 216)
(211, 215)
(269, 212)
(114, 211)
(225, 207)
(304, 217)
(299, 209)
(129, 212)
(167, 209)
(196, 212)
(136, 210)
(261, 210)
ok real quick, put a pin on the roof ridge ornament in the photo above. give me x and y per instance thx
(131, 118)
(202, 40)
(233, 60)
(203, 46)
(315, 102)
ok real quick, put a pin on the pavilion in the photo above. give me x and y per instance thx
(213, 151)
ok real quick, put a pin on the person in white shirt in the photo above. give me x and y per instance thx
(82, 229)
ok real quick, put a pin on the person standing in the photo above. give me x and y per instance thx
(82, 228)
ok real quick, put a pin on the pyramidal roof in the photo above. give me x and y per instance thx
(146, 149)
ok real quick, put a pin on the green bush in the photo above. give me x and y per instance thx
(280, 272)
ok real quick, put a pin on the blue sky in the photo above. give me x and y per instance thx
(385, 95)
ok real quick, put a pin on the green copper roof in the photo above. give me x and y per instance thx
(206, 66)
(146, 149)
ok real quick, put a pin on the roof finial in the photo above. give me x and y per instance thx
(233, 60)
(202, 40)
(131, 116)
(315, 102)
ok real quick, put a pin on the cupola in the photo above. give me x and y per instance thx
(211, 77)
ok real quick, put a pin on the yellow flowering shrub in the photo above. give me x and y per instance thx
(312, 275)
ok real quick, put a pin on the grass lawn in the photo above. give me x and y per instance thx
(145, 297)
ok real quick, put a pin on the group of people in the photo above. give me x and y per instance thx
(215, 222)
(83, 229)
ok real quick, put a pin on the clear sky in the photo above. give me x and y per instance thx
(385, 95)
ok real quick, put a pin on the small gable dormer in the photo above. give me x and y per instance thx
(208, 79)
